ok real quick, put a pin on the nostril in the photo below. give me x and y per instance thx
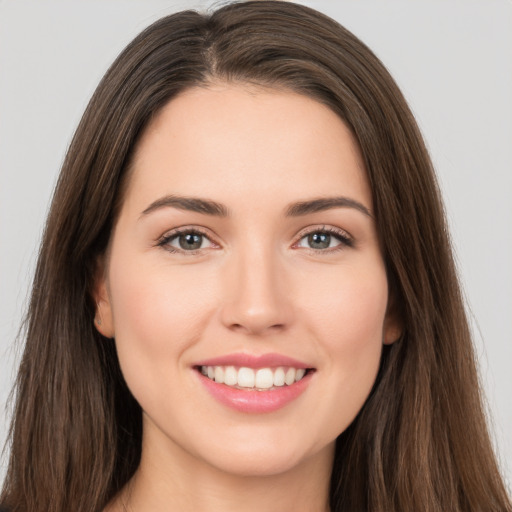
(256, 328)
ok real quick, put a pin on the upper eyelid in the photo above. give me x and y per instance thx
(325, 229)
(333, 230)
(185, 229)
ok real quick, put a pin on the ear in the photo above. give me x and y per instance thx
(393, 325)
(103, 318)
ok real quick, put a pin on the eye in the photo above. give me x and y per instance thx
(322, 239)
(189, 240)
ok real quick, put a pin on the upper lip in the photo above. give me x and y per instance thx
(253, 361)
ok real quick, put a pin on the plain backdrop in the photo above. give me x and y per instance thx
(452, 59)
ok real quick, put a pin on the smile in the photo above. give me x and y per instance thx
(261, 379)
(255, 384)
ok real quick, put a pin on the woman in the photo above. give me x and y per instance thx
(245, 295)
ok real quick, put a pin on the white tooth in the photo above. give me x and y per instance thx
(230, 376)
(300, 373)
(211, 372)
(289, 378)
(246, 377)
(279, 377)
(204, 370)
(264, 378)
(219, 374)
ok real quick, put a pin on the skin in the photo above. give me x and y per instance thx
(255, 286)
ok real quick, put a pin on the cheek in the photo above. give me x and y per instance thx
(346, 319)
(348, 307)
(158, 312)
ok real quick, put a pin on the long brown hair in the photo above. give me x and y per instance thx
(420, 441)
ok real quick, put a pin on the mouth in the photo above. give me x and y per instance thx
(254, 384)
(259, 379)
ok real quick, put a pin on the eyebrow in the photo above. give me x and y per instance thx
(209, 207)
(191, 204)
(325, 203)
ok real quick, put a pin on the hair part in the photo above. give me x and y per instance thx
(420, 441)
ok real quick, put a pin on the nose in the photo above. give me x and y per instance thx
(256, 301)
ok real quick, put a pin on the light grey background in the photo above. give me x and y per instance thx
(453, 60)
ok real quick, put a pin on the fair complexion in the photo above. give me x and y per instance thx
(273, 251)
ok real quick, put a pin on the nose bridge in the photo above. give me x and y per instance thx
(256, 299)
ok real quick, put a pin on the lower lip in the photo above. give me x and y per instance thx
(254, 401)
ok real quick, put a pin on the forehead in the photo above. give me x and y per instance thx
(243, 142)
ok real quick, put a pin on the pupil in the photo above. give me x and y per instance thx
(190, 241)
(319, 240)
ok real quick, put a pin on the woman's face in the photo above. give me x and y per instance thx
(246, 250)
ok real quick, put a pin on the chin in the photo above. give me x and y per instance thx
(261, 458)
(263, 465)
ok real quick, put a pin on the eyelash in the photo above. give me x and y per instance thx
(342, 236)
(165, 240)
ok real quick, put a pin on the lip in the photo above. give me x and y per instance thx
(270, 360)
(252, 400)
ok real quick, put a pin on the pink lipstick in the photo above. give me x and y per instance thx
(254, 384)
